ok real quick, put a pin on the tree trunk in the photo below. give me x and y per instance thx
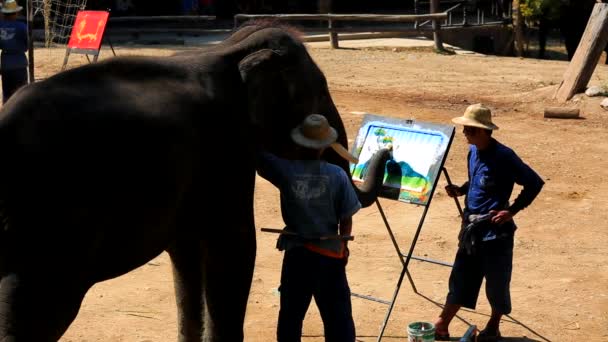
(518, 22)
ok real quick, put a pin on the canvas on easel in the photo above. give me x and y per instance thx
(417, 148)
(419, 151)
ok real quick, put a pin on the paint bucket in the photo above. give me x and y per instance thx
(421, 332)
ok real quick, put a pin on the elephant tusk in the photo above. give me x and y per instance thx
(340, 150)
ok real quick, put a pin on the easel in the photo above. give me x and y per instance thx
(405, 258)
(86, 38)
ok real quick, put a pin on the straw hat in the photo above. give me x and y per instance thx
(476, 115)
(316, 133)
(10, 6)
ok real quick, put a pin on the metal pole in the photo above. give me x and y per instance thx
(29, 10)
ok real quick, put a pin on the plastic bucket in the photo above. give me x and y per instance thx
(421, 332)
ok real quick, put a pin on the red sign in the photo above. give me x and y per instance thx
(88, 28)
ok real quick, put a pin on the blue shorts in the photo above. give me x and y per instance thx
(492, 261)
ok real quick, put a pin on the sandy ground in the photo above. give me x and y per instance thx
(560, 279)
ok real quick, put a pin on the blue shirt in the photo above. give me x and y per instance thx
(13, 43)
(492, 175)
(315, 196)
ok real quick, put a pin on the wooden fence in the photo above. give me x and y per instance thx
(332, 18)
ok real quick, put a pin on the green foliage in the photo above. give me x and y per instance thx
(534, 9)
(387, 139)
(379, 132)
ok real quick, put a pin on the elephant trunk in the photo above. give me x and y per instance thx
(369, 190)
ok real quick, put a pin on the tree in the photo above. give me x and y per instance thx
(518, 28)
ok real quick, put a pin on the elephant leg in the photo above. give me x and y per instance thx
(37, 309)
(229, 258)
(187, 274)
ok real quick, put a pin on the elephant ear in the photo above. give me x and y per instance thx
(262, 75)
(261, 61)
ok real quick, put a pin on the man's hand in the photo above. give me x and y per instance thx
(500, 217)
(453, 190)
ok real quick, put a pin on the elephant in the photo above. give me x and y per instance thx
(571, 17)
(107, 165)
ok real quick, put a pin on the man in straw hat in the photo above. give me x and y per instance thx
(317, 199)
(493, 170)
(13, 43)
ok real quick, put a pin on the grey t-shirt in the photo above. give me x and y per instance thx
(315, 196)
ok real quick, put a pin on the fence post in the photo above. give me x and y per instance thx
(333, 36)
(436, 27)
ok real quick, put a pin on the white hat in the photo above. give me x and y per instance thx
(10, 6)
(316, 133)
(476, 115)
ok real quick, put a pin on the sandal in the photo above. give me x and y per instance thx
(442, 337)
(489, 336)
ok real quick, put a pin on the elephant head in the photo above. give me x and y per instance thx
(284, 85)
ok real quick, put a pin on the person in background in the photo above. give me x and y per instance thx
(486, 247)
(13, 43)
(317, 199)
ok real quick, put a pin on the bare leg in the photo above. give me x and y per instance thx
(443, 322)
(493, 323)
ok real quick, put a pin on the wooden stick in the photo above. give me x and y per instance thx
(562, 113)
(322, 238)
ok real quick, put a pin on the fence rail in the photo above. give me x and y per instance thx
(331, 18)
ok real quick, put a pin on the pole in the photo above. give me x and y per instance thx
(447, 178)
(436, 27)
(29, 10)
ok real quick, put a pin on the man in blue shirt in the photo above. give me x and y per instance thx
(493, 170)
(13, 43)
(317, 202)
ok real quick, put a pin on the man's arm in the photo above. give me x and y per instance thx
(346, 226)
(456, 191)
(268, 167)
(532, 184)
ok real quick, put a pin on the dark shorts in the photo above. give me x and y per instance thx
(305, 275)
(492, 261)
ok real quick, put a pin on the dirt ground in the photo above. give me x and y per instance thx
(560, 278)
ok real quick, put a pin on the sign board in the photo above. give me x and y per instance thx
(418, 150)
(88, 29)
(87, 35)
